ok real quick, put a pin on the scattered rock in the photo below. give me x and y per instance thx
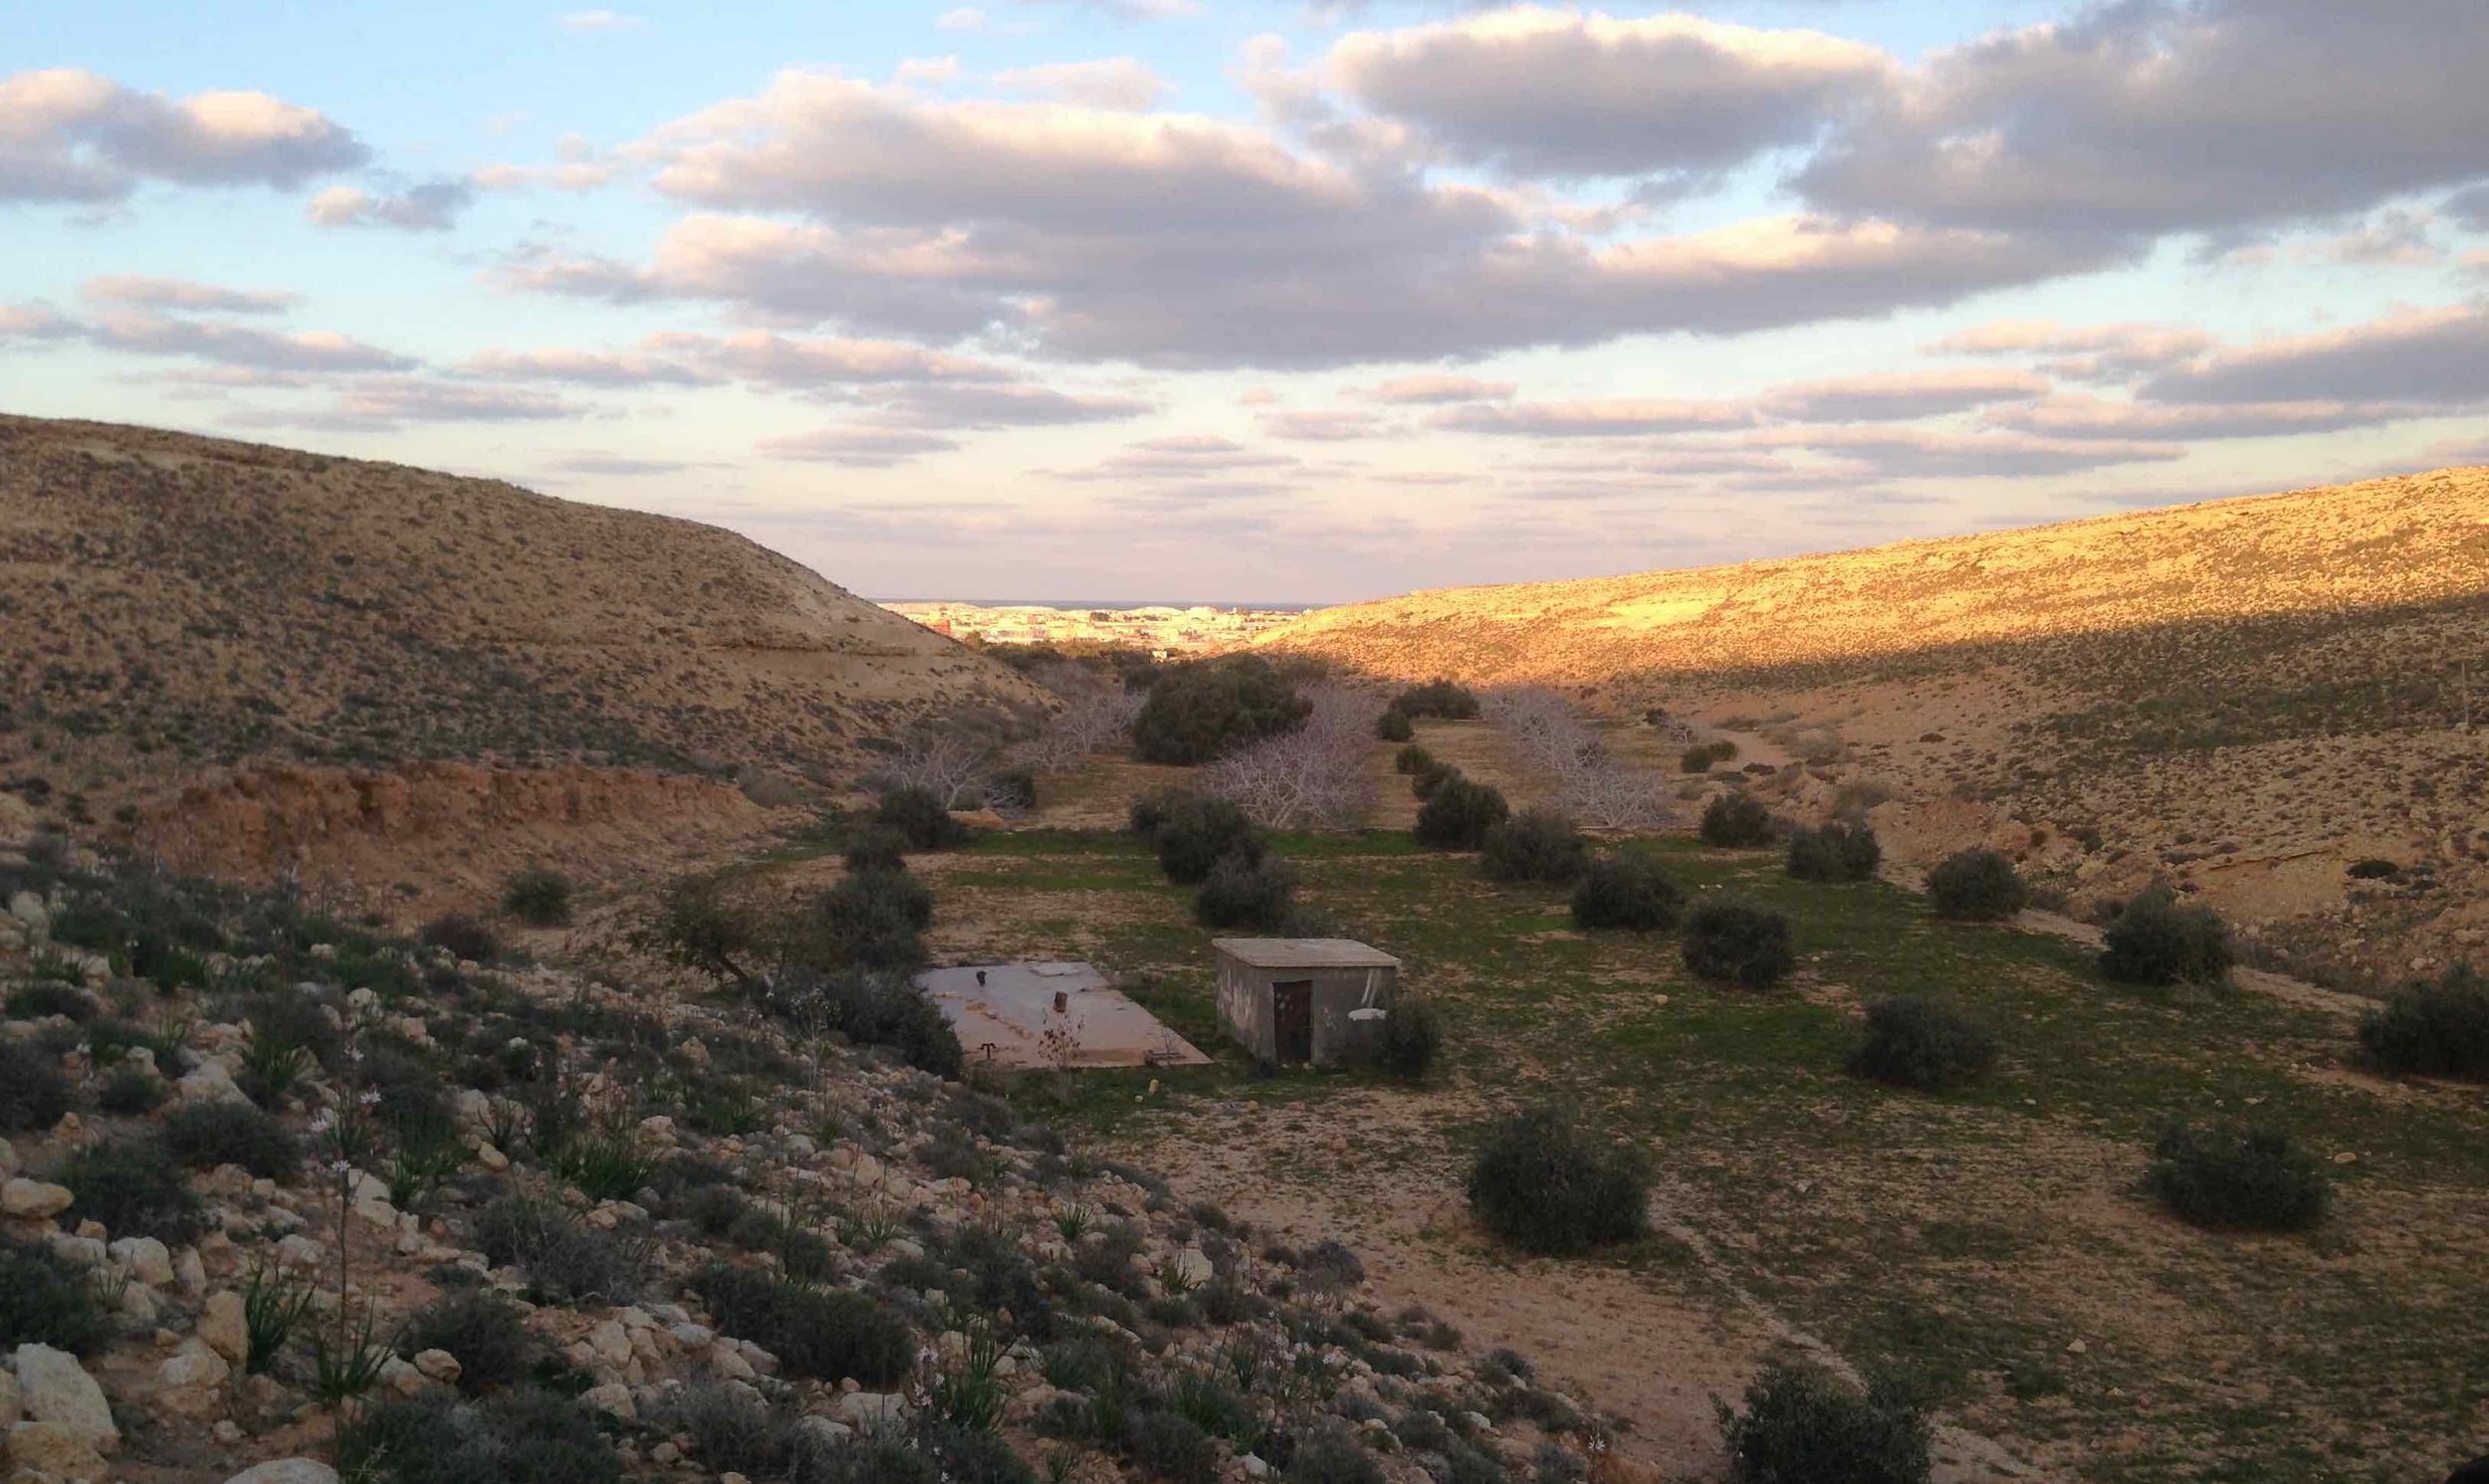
(47, 1449)
(287, 1471)
(56, 1388)
(33, 1200)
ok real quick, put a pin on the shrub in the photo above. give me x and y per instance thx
(2230, 1176)
(1914, 1042)
(204, 1135)
(462, 937)
(565, 1261)
(1198, 711)
(921, 818)
(1836, 852)
(134, 1189)
(730, 1429)
(1412, 1036)
(1702, 756)
(48, 997)
(1197, 833)
(827, 1335)
(33, 1093)
(1535, 845)
(695, 924)
(1331, 1455)
(1171, 1446)
(1247, 894)
(537, 898)
(1428, 780)
(876, 849)
(1459, 813)
(1393, 726)
(1013, 788)
(1439, 697)
(1546, 1184)
(130, 1090)
(44, 1299)
(1626, 891)
(1152, 809)
(2438, 1031)
(1739, 944)
(2158, 940)
(1980, 885)
(873, 1010)
(1801, 1424)
(482, 1329)
(1410, 759)
(2374, 869)
(527, 1436)
(868, 921)
(1736, 821)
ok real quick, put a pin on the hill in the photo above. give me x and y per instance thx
(184, 608)
(2246, 695)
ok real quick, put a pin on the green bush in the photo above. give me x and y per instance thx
(2434, 1030)
(48, 997)
(1410, 759)
(537, 898)
(822, 1334)
(876, 849)
(1013, 788)
(1150, 812)
(1412, 1036)
(202, 1135)
(1916, 1042)
(1700, 757)
(1198, 711)
(130, 1089)
(33, 1093)
(1626, 891)
(1430, 779)
(134, 1189)
(482, 1329)
(564, 1261)
(1241, 892)
(1836, 852)
(1459, 814)
(873, 1010)
(1439, 697)
(1801, 1425)
(1546, 1184)
(921, 818)
(1980, 885)
(462, 937)
(1393, 726)
(2241, 1177)
(527, 1436)
(1739, 944)
(1737, 821)
(1535, 845)
(45, 1299)
(1196, 832)
(868, 921)
(1171, 1446)
(696, 924)
(2159, 940)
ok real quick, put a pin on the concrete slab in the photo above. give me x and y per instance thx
(1005, 1013)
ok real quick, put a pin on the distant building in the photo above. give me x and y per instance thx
(1305, 1002)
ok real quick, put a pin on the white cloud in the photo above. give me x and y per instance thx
(965, 18)
(858, 447)
(186, 296)
(1609, 417)
(433, 206)
(1900, 395)
(1125, 84)
(589, 22)
(72, 136)
(2436, 356)
(241, 344)
(1432, 387)
(934, 69)
(35, 321)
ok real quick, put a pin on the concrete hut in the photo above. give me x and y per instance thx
(1299, 1001)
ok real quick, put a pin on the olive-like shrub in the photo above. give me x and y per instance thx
(1535, 845)
(2159, 940)
(1916, 1042)
(1737, 821)
(1977, 886)
(1836, 852)
(1546, 1184)
(1459, 813)
(1626, 891)
(1739, 944)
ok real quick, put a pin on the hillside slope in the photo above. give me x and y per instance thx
(177, 604)
(2244, 697)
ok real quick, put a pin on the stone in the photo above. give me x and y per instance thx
(225, 1328)
(869, 1411)
(12, 1406)
(440, 1365)
(610, 1342)
(402, 1379)
(33, 1200)
(79, 1251)
(48, 1449)
(298, 1251)
(8, 1158)
(823, 1432)
(191, 1380)
(1190, 1267)
(612, 1399)
(143, 1258)
(190, 1270)
(490, 1157)
(211, 1081)
(57, 1389)
(728, 1362)
(691, 1335)
(1254, 1466)
(287, 1471)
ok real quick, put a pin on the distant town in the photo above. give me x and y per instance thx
(1162, 629)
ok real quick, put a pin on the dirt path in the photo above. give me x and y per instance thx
(2283, 987)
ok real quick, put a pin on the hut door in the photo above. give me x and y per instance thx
(1292, 1017)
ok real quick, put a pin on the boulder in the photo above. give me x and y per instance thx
(287, 1471)
(57, 1389)
(211, 1081)
(50, 1450)
(440, 1365)
(143, 1258)
(222, 1324)
(33, 1200)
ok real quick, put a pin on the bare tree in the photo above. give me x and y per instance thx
(954, 764)
(1096, 715)
(1593, 787)
(1312, 778)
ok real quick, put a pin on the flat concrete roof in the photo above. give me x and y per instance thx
(1006, 1020)
(1304, 953)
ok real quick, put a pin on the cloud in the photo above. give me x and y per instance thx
(35, 321)
(1430, 387)
(1132, 10)
(1180, 456)
(1900, 395)
(2085, 417)
(2153, 117)
(2081, 353)
(1921, 453)
(72, 136)
(934, 69)
(432, 206)
(1322, 427)
(2469, 209)
(589, 22)
(965, 18)
(2396, 239)
(579, 166)
(241, 344)
(618, 466)
(1544, 93)
(1125, 84)
(858, 447)
(968, 405)
(585, 369)
(186, 296)
(1605, 418)
(2438, 356)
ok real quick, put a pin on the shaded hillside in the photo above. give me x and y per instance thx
(176, 603)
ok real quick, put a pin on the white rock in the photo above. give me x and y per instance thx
(143, 1258)
(287, 1471)
(824, 1431)
(610, 1342)
(190, 1270)
(402, 1379)
(728, 1362)
(867, 1410)
(191, 1380)
(84, 1251)
(1255, 1468)
(298, 1251)
(48, 1450)
(1190, 1267)
(56, 1388)
(224, 1326)
(612, 1399)
(440, 1365)
(33, 1200)
(12, 1406)
(8, 1158)
(211, 1081)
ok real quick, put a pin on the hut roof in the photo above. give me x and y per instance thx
(1304, 953)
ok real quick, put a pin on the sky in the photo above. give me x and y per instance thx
(1287, 301)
